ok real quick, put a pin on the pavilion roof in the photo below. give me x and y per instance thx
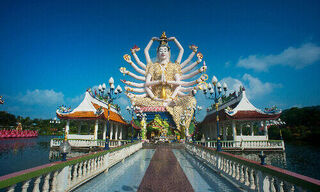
(242, 110)
(92, 108)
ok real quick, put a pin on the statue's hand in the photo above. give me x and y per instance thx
(203, 68)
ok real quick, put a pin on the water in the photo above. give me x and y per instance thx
(125, 176)
(23, 153)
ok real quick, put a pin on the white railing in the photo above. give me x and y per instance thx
(250, 175)
(246, 145)
(56, 142)
(66, 176)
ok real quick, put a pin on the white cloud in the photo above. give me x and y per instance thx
(42, 97)
(297, 58)
(75, 101)
(254, 86)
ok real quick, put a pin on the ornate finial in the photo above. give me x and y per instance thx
(163, 36)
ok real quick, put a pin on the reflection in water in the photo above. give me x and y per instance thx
(276, 158)
(17, 154)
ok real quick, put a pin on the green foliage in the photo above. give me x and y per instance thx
(43, 126)
(302, 124)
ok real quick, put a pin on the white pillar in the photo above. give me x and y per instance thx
(67, 128)
(120, 136)
(104, 130)
(234, 130)
(225, 129)
(241, 130)
(111, 130)
(265, 129)
(116, 135)
(96, 127)
(251, 128)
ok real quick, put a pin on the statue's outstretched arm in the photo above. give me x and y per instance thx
(137, 90)
(186, 69)
(130, 95)
(125, 71)
(194, 50)
(135, 56)
(180, 48)
(194, 73)
(127, 58)
(146, 50)
(187, 83)
(132, 83)
(151, 83)
(143, 72)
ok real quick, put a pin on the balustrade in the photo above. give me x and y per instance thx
(65, 176)
(250, 175)
(241, 145)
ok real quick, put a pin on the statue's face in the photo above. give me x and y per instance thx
(163, 53)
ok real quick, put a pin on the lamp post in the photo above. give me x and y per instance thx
(111, 95)
(131, 110)
(215, 92)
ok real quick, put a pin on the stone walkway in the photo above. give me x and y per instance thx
(164, 174)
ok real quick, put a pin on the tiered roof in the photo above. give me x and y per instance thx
(240, 108)
(91, 108)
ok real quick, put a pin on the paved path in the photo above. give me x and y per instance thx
(164, 174)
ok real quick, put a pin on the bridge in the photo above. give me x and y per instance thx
(164, 167)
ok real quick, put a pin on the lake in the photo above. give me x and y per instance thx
(20, 154)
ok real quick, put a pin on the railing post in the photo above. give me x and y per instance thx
(36, 185)
(46, 183)
(62, 179)
(25, 186)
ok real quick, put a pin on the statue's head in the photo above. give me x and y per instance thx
(163, 51)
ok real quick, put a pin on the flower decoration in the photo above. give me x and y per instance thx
(199, 55)
(194, 48)
(127, 58)
(135, 49)
(123, 70)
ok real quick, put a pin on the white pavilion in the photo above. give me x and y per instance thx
(239, 115)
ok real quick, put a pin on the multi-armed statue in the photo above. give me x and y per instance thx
(163, 82)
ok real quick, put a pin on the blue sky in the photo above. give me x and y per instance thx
(52, 51)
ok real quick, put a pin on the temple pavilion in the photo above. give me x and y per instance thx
(241, 124)
(93, 109)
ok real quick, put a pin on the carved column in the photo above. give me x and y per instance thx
(234, 130)
(96, 127)
(104, 130)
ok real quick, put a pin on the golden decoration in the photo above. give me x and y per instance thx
(194, 48)
(127, 58)
(163, 35)
(199, 55)
(202, 84)
(123, 70)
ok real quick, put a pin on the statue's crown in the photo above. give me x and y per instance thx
(163, 39)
